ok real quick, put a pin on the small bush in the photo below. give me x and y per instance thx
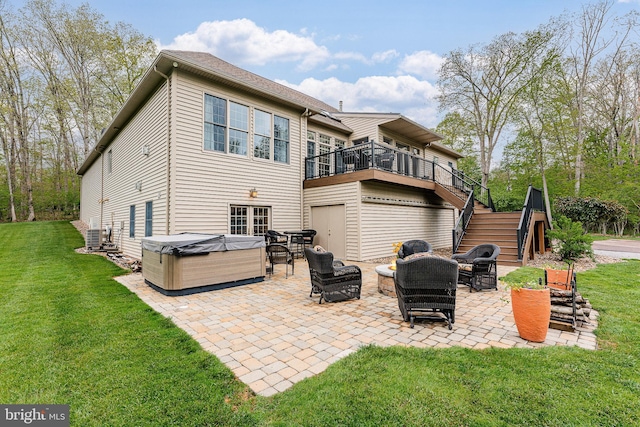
(571, 242)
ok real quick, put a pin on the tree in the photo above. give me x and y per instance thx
(597, 34)
(458, 134)
(485, 81)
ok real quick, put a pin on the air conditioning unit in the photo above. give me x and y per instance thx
(94, 238)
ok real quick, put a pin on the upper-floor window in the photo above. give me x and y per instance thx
(226, 130)
(324, 161)
(387, 140)
(262, 135)
(215, 123)
(281, 139)
(238, 128)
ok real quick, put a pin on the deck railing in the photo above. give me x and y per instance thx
(372, 155)
(533, 202)
(462, 222)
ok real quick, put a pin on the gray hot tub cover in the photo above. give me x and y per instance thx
(196, 243)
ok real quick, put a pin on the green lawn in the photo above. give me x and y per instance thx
(71, 334)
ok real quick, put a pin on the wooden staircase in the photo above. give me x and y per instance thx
(499, 228)
(487, 226)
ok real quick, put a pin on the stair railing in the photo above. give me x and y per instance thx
(463, 221)
(455, 181)
(533, 202)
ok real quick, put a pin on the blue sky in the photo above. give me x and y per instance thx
(372, 55)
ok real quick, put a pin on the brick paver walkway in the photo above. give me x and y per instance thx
(271, 334)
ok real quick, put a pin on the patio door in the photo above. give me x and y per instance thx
(329, 223)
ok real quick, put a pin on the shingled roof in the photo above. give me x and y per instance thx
(217, 66)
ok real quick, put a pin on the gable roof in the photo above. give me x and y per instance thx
(214, 69)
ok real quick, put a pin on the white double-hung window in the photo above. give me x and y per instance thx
(238, 128)
(215, 123)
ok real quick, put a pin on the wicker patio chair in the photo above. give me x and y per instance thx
(426, 288)
(280, 254)
(333, 280)
(411, 247)
(483, 262)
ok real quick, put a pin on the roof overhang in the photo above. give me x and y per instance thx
(407, 127)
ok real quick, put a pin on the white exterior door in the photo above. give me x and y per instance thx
(329, 223)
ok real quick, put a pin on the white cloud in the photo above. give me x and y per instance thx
(407, 95)
(423, 63)
(242, 41)
(385, 56)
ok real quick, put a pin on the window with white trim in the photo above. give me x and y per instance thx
(280, 139)
(324, 161)
(262, 135)
(238, 220)
(132, 221)
(148, 219)
(247, 220)
(238, 128)
(215, 123)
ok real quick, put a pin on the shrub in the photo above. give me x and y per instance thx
(596, 215)
(571, 242)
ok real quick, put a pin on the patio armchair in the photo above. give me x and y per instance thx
(333, 280)
(426, 288)
(280, 254)
(481, 269)
(411, 247)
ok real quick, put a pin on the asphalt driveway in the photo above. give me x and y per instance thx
(617, 248)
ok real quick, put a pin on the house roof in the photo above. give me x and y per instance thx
(402, 125)
(214, 69)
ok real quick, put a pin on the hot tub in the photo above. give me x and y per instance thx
(187, 263)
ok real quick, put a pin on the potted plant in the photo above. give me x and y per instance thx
(396, 248)
(531, 305)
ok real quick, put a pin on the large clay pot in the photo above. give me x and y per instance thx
(532, 312)
(558, 279)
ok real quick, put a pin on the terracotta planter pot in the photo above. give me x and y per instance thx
(531, 311)
(558, 279)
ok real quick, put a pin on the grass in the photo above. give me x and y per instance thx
(73, 335)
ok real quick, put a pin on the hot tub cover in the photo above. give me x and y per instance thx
(196, 243)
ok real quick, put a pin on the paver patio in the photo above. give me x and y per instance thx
(272, 335)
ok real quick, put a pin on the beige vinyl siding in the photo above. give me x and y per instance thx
(443, 159)
(206, 183)
(342, 194)
(148, 127)
(395, 214)
(363, 127)
(385, 224)
(90, 193)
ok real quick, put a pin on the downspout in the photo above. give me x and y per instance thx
(101, 189)
(303, 151)
(168, 174)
